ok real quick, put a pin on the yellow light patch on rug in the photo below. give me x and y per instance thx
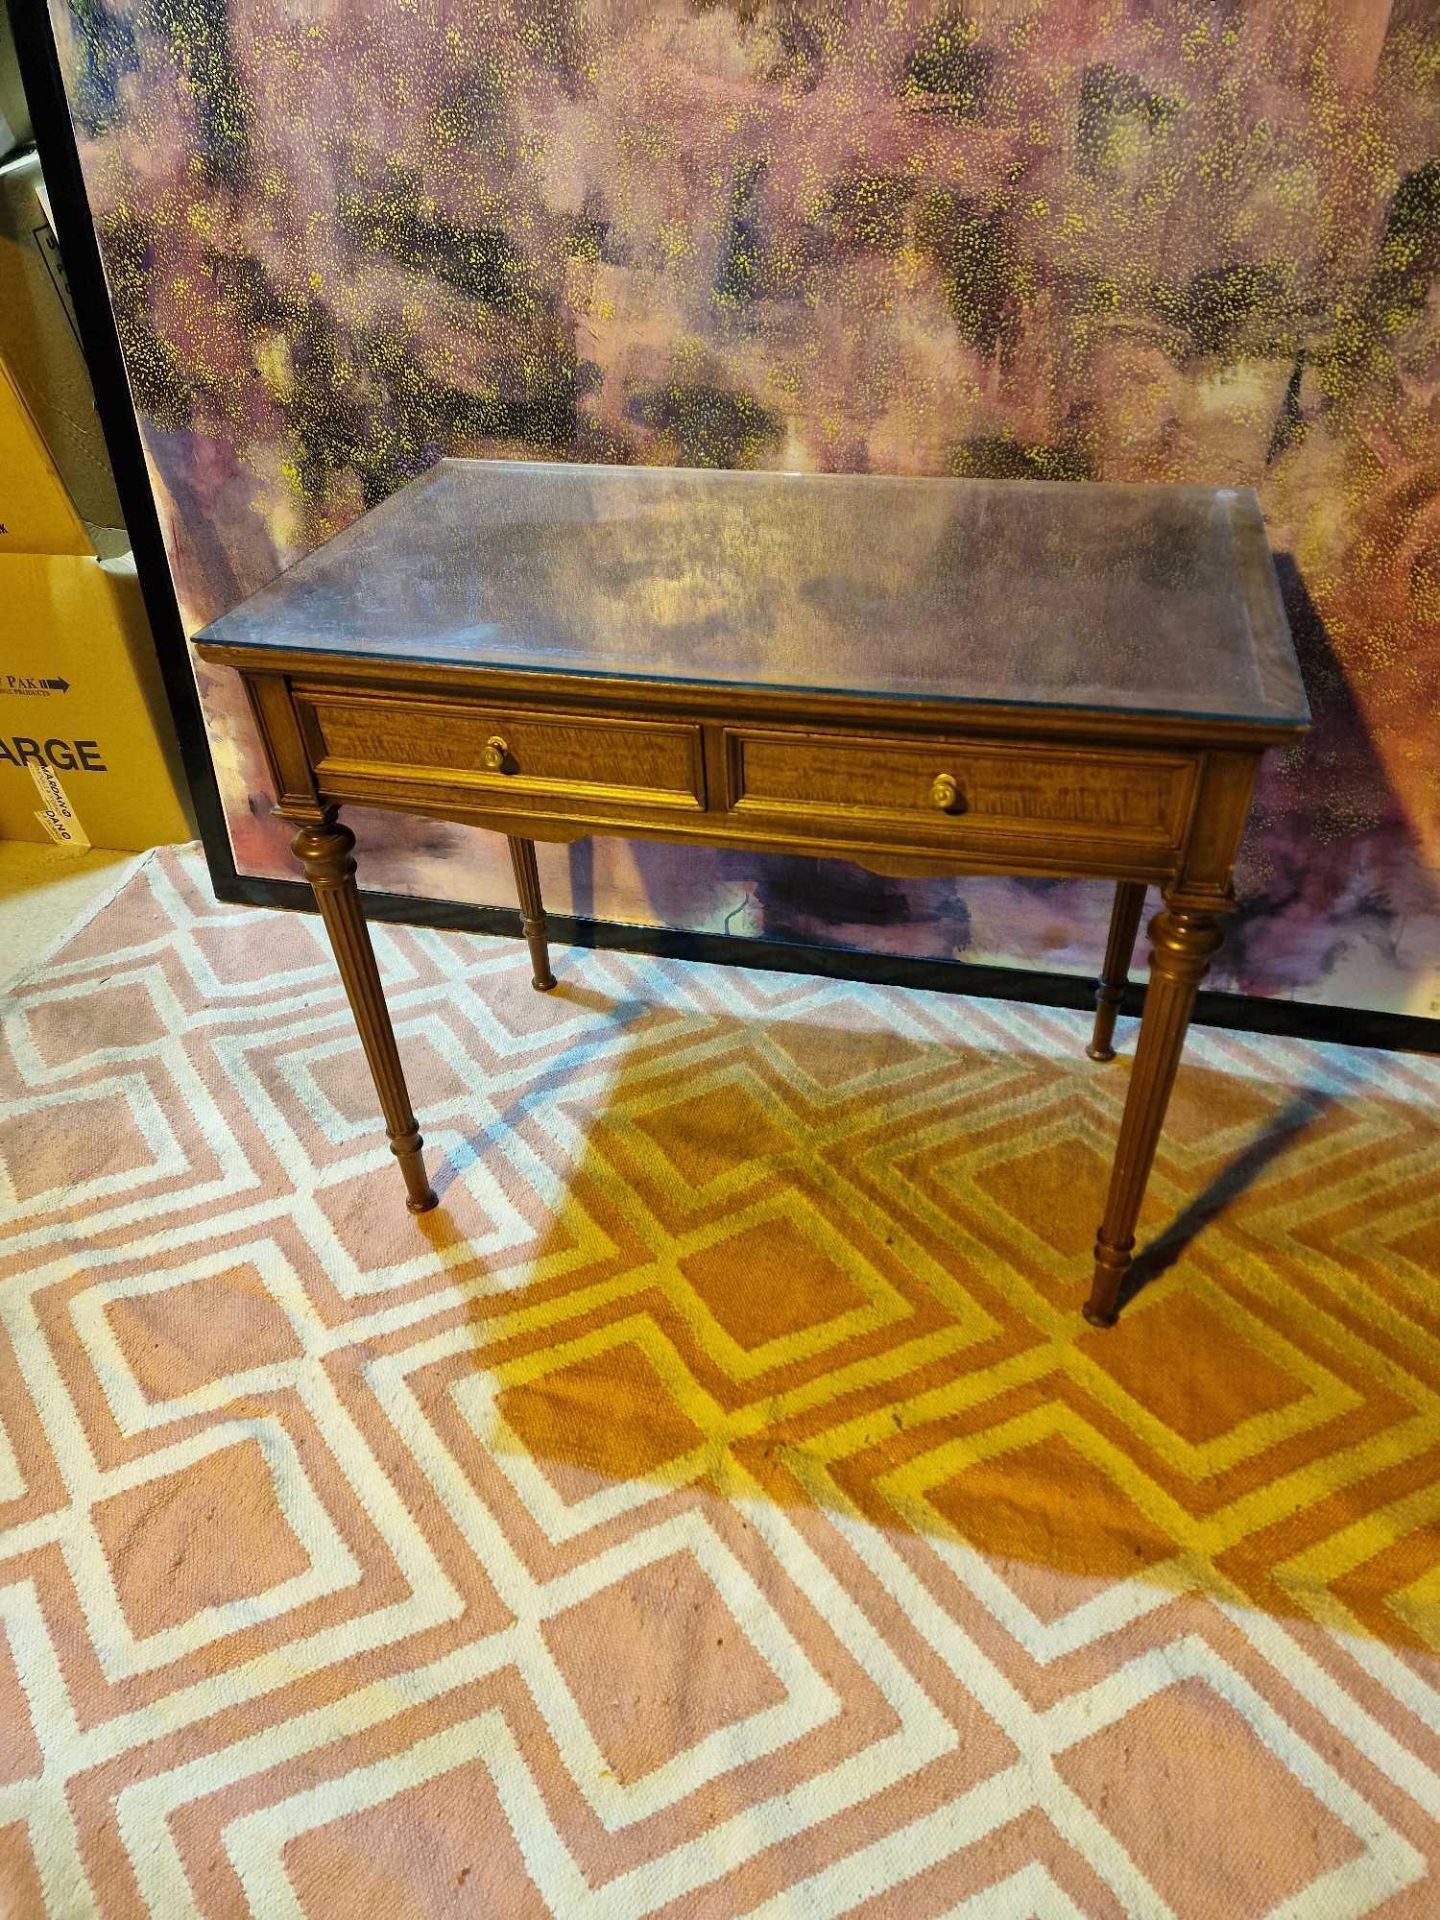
(1152, 1356)
(609, 1414)
(770, 1281)
(711, 1135)
(1046, 1502)
(835, 1056)
(1050, 1192)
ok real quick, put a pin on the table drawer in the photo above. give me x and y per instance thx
(947, 792)
(526, 759)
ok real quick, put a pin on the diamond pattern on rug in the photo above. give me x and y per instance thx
(604, 1418)
(700, 1673)
(205, 1536)
(182, 1337)
(717, 1506)
(768, 1281)
(435, 1851)
(1215, 1820)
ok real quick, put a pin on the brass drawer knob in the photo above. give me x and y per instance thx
(497, 754)
(945, 794)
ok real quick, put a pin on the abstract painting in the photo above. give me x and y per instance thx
(1169, 240)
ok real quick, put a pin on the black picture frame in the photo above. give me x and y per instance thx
(75, 231)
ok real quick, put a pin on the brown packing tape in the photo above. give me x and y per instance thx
(56, 815)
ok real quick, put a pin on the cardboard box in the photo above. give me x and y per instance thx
(36, 515)
(87, 751)
(40, 346)
(88, 754)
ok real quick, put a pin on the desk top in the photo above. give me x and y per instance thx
(1142, 599)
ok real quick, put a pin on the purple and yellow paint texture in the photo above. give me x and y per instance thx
(1128, 240)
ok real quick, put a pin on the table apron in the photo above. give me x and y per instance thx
(895, 797)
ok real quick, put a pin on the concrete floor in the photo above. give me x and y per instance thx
(44, 891)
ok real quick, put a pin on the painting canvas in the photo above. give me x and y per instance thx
(1160, 240)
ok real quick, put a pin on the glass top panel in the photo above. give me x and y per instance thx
(1149, 599)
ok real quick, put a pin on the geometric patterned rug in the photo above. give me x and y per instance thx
(718, 1505)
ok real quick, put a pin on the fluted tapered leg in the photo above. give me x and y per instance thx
(1119, 950)
(532, 911)
(324, 851)
(1183, 944)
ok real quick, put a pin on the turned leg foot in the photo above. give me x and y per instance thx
(420, 1196)
(1115, 973)
(532, 912)
(1102, 1309)
(1183, 943)
(324, 851)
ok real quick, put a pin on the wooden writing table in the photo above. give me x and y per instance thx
(923, 676)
